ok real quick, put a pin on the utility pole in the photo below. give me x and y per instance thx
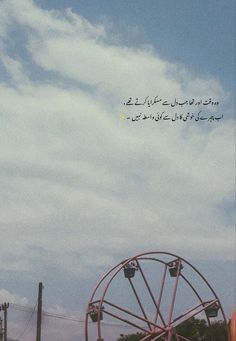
(4, 307)
(39, 314)
(1, 330)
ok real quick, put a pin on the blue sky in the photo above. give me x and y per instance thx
(83, 189)
(199, 34)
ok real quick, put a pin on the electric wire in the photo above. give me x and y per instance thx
(27, 323)
(61, 316)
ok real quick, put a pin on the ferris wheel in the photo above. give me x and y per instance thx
(153, 294)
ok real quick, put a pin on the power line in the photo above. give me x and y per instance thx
(61, 316)
(21, 307)
(27, 323)
(46, 313)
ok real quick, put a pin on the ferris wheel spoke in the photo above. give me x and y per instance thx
(150, 292)
(174, 292)
(196, 293)
(177, 337)
(131, 314)
(161, 293)
(150, 337)
(159, 337)
(139, 302)
(126, 321)
(180, 337)
(153, 338)
(193, 312)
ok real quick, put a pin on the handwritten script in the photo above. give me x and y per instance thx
(174, 110)
(152, 101)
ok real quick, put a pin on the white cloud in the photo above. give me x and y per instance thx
(6, 296)
(76, 179)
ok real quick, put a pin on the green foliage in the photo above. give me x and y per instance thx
(216, 332)
(194, 329)
(131, 337)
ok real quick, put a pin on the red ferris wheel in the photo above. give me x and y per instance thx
(153, 294)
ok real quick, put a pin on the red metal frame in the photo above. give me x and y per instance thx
(166, 327)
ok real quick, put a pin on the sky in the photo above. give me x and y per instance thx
(82, 186)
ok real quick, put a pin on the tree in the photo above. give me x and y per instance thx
(194, 329)
(131, 337)
(216, 332)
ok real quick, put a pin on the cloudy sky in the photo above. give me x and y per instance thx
(82, 188)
